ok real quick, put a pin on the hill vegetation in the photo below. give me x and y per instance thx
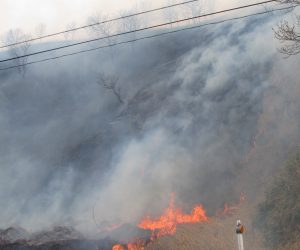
(279, 214)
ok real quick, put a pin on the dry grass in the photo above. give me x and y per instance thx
(217, 234)
(291, 246)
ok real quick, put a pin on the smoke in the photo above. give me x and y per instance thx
(72, 153)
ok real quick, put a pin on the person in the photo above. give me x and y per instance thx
(239, 227)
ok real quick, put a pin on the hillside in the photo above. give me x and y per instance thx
(102, 140)
(217, 234)
(266, 222)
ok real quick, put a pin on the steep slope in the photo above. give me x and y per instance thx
(217, 234)
(183, 113)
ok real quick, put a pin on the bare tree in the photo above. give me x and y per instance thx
(40, 29)
(130, 24)
(110, 82)
(289, 33)
(141, 6)
(16, 50)
(104, 29)
(71, 34)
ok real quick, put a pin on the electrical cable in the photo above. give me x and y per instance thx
(134, 31)
(98, 23)
(148, 37)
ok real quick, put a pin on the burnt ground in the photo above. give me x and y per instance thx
(105, 244)
(66, 238)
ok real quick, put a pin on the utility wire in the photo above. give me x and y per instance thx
(137, 30)
(98, 23)
(148, 37)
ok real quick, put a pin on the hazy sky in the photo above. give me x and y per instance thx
(27, 14)
(57, 14)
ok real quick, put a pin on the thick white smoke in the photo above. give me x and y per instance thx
(190, 108)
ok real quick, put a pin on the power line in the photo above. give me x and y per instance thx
(98, 23)
(148, 37)
(137, 30)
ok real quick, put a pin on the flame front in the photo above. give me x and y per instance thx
(166, 224)
(130, 246)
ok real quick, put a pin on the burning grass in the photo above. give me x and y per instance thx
(166, 224)
(171, 218)
(218, 233)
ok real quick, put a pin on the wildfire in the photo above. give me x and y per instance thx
(166, 224)
(262, 122)
(227, 211)
(231, 210)
(135, 246)
(138, 245)
(118, 247)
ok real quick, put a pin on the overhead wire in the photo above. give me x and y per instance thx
(98, 23)
(137, 30)
(148, 37)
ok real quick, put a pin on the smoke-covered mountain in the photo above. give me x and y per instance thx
(106, 137)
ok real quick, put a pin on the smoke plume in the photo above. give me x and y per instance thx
(177, 114)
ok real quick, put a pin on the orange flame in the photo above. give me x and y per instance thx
(118, 247)
(138, 245)
(262, 123)
(231, 210)
(166, 224)
(135, 246)
(227, 211)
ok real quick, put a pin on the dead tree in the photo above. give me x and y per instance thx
(289, 33)
(145, 19)
(100, 25)
(130, 24)
(13, 37)
(110, 82)
(40, 29)
(71, 33)
(103, 29)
